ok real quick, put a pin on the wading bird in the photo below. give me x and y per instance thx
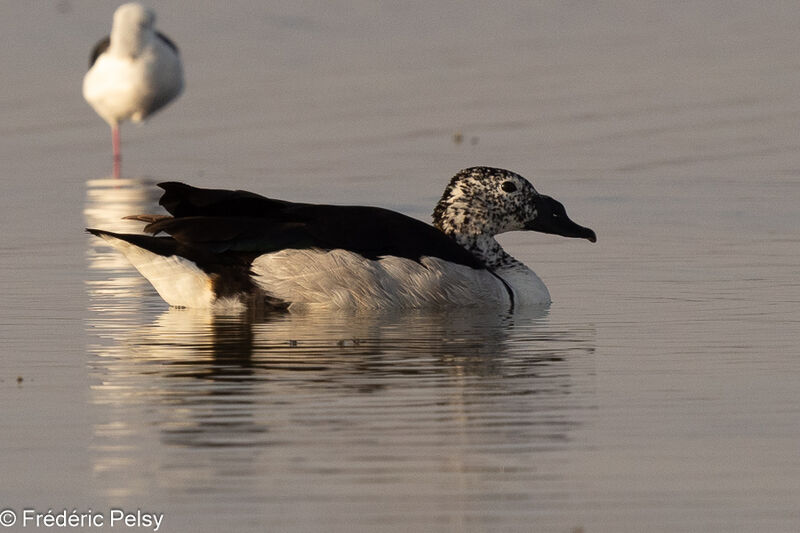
(133, 73)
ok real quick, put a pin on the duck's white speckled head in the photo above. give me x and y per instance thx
(489, 201)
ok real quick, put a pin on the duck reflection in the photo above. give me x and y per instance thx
(200, 402)
(221, 380)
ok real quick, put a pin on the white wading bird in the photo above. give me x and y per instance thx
(133, 73)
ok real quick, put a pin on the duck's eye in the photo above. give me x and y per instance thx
(508, 186)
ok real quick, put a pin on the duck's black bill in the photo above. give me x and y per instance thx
(551, 217)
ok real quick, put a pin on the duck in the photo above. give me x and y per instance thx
(232, 249)
(133, 72)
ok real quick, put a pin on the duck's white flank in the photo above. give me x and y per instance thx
(342, 279)
(338, 279)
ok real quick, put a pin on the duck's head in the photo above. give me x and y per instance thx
(490, 201)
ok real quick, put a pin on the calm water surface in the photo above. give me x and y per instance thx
(659, 392)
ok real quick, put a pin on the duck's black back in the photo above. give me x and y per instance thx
(223, 220)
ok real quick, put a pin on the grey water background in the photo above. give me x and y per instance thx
(659, 392)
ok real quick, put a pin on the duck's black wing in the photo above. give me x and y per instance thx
(182, 200)
(221, 221)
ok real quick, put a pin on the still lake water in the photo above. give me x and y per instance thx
(659, 392)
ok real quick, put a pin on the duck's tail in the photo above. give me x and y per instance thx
(177, 278)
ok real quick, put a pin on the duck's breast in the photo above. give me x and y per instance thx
(529, 289)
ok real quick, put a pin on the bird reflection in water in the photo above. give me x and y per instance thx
(218, 380)
(193, 401)
(111, 279)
